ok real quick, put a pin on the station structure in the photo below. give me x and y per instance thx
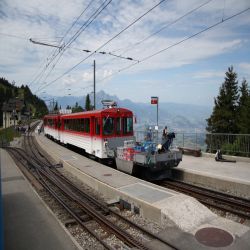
(186, 219)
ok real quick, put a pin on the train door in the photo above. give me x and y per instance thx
(59, 125)
(92, 123)
(56, 127)
(96, 139)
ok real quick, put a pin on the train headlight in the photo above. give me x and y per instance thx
(105, 142)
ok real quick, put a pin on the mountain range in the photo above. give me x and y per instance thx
(177, 116)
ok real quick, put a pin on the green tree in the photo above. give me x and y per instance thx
(56, 107)
(224, 116)
(77, 108)
(88, 103)
(244, 109)
(8, 90)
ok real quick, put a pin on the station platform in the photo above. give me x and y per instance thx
(27, 222)
(181, 215)
(222, 176)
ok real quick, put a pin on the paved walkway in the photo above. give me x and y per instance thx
(239, 171)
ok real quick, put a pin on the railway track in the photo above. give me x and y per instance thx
(80, 205)
(222, 201)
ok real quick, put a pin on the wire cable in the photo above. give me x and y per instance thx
(130, 47)
(123, 30)
(179, 42)
(53, 54)
(86, 24)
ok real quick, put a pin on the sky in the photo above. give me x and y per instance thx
(165, 63)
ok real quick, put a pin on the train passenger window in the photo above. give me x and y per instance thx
(97, 126)
(66, 124)
(70, 124)
(127, 125)
(81, 125)
(118, 125)
(87, 125)
(108, 125)
(77, 124)
(50, 122)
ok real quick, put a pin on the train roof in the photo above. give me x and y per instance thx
(94, 112)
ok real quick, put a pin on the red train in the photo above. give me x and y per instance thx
(92, 130)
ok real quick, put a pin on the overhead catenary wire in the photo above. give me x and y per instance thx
(177, 43)
(103, 45)
(83, 27)
(68, 30)
(73, 24)
(130, 47)
(111, 54)
(56, 52)
(53, 54)
(88, 86)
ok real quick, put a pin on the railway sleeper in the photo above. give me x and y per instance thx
(58, 165)
(84, 218)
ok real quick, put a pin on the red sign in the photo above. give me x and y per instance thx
(154, 100)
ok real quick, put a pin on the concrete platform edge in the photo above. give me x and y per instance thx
(214, 182)
(191, 208)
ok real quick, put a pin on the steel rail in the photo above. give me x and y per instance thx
(222, 196)
(40, 159)
(105, 208)
(122, 235)
(215, 200)
(62, 203)
(98, 204)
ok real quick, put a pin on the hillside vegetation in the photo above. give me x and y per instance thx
(32, 102)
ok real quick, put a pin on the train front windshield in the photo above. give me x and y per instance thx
(108, 125)
(117, 125)
(127, 125)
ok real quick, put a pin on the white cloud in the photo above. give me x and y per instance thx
(46, 20)
(208, 74)
(245, 67)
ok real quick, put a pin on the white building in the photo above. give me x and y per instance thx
(12, 112)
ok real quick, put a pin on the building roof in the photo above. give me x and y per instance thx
(13, 104)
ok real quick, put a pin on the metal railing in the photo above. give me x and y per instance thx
(231, 144)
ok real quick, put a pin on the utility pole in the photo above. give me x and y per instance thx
(87, 51)
(94, 84)
(155, 100)
(53, 105)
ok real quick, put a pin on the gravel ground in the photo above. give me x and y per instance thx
(87, 241)
(227, 215)
(231, 217)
